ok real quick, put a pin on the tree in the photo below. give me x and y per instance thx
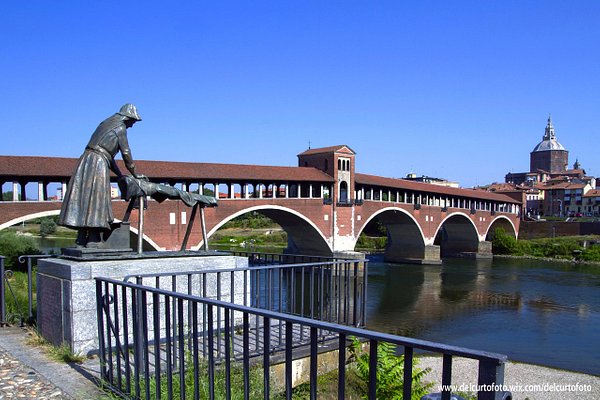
(47, 227)
(12, 246)
(8, 196)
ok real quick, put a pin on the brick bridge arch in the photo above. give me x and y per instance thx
(303, 235)
(406, 241)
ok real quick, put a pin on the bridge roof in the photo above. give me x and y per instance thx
(373, 180)
(330, 149)
(57, 168)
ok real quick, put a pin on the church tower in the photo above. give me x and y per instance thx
(549, 155)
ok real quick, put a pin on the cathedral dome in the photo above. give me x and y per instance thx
(549, 141)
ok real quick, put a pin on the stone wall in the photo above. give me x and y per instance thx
(546, 229)
(66, 291)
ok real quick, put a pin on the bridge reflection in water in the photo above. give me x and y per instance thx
(541, 313)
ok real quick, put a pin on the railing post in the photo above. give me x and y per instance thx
(491, 376)
(99, 310)
(30, 289)
(2, 294)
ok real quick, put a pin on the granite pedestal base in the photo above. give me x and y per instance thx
(66, 291)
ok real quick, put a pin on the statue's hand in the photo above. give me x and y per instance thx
(140, 176)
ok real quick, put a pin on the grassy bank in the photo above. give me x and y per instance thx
(578, 248)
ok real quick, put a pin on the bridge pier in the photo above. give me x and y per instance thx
(477, 250)
(428, 254)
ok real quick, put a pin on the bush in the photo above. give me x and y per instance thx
(503, 243)
(47, 227)
(12, 246)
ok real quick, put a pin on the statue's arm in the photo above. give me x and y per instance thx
(126, 152)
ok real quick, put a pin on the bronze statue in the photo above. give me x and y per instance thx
(87, 202)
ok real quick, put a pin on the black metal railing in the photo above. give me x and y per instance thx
(5, 296)
(333, 291)
(157, 343)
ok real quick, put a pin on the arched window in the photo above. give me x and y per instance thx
(340, 165)
(343, 192)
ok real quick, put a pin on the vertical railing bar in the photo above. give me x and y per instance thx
(120, 350)
(204, 317)
(266, 357)
(312, 292)
(29, 289)
(293, 291)
(135, 311)
(195, 355)
(106, 306)
(232, 314)
(146, 355)
(175, 325)
(228, 336)
(364, 290)
(408, 367)
(302, 293)
(181, 349)
(355, 304)
(280, 303)
(313, 363)
(339, 291)
(322, 293)
(342, 366)
(126, 340)
(246, 360)
(168, 344)
(218, 315)
(211, 359)
(288, 359)
(347, 293)
(189, 312)
(446, 376)
(372, 370)
(100, 317)
(156, 316)
(257, 302)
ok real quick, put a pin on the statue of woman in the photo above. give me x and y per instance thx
(87, 202)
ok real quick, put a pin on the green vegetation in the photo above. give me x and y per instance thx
(564, 247)
(47, 227)
(57, 353)
(371, 243)
(252, 220)
(16, 298)
(13, 245)
(390, 372)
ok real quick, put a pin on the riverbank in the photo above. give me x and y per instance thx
(549, 259)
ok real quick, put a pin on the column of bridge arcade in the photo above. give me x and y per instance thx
(18, 190)
(259, 190)
(394, 195)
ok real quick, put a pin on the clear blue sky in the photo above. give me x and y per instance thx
(455, 89)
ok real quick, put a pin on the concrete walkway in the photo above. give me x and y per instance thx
(26, 372)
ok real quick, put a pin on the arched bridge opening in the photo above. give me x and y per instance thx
(457, 236)
(303, 237)
(405, 241)
(503, 224)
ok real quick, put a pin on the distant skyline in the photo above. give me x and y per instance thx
(457, 90)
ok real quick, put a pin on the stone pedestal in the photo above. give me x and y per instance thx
(66, 291)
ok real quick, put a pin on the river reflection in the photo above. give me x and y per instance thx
(535, 312)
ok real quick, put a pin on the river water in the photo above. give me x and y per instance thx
(533, 311)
